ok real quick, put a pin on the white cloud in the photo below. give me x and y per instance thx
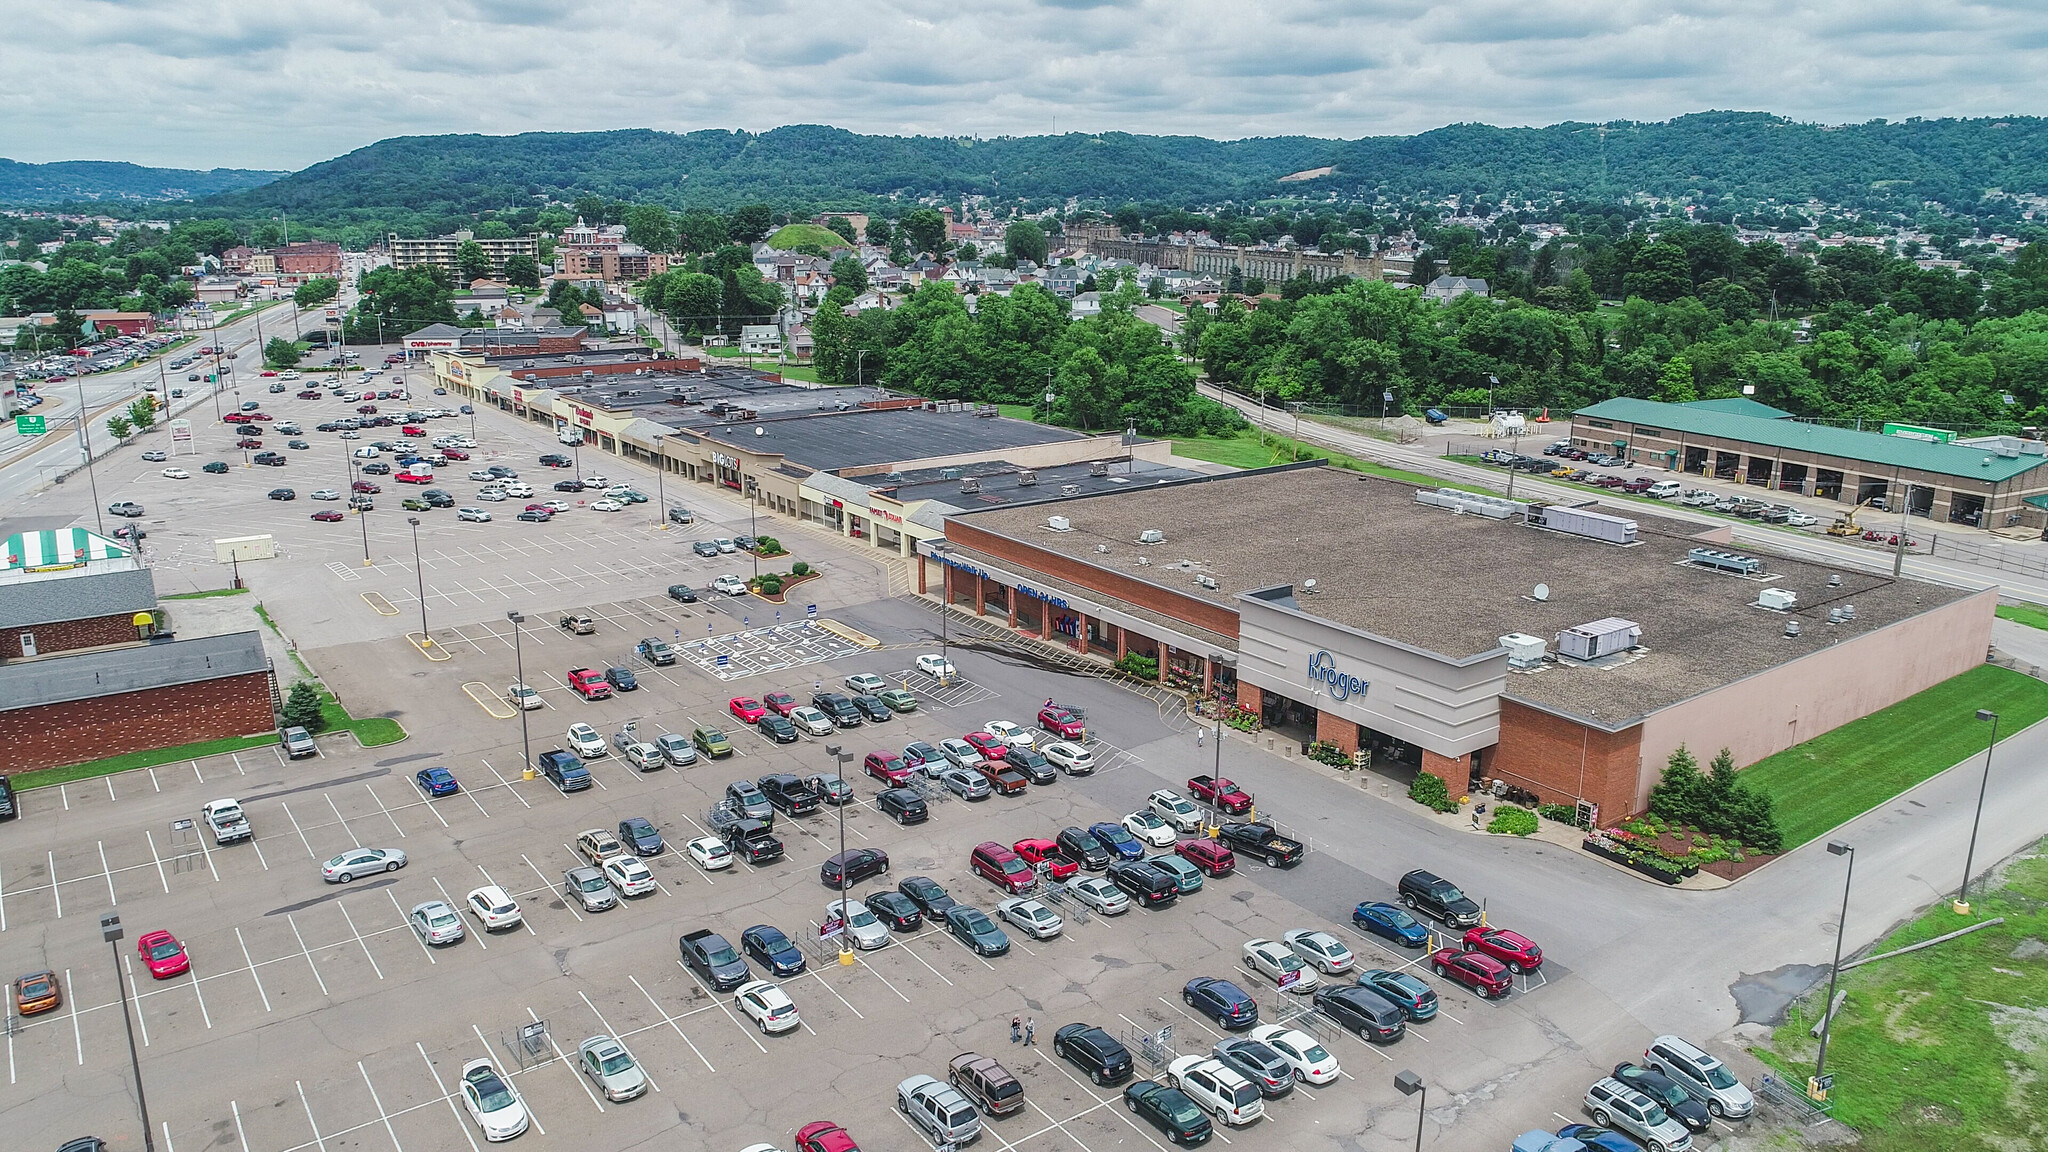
(285, 83)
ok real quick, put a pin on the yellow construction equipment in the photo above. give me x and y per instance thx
(1845, 524)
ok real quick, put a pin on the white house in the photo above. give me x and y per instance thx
(760, 339)
(1087, 304)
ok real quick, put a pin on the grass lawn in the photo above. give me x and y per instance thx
(2026, 614)
(802, 372)
(1925, 1052)
(790, 235)
(1018, 411)
(1832, 778)
(1244, 451)
(46, 777)
(206, 595)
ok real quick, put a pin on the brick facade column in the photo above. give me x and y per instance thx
(1165, 653)
(1044, 620)
(1334, 729)
(1208, 677)
(1249, 697)
(1454, 771)
(980, 597)
(1010, 602)
(922, 589)
(1120, 649)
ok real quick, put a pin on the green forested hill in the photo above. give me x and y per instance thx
(113, 180)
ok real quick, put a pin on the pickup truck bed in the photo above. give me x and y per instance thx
(1261, 842)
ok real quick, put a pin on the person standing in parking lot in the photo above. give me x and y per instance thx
(1016, 1029)
(1030, 1028)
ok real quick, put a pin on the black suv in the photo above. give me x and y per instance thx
(788, 794)
(838, 707)
(436, 498)
(1031, 763)
(1081, 846)
(1152, 887)
(1093, 1051)
(1435, 896)
(903, 805)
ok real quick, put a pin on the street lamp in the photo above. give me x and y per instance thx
(754, 502)
(85, 445)
(939, 550)
(110, 931)
(660, 488)
(839, 760)
(1411, 1085)
(1962, 904)
(1817, 1087)
(525, 742)
(420, 577)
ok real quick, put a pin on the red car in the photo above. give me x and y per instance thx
(327, 516)
(163, 954)
(781, 703)
(364, 486)
(1513, 949)
(891, 770)
(234, 418)
(269, 373)
(248, 442)
(1061, 723)
(1639, 484)
(991, 746)
(746, 708)
(413, 430)
(1207, 855)
(309, 394)
(824, 1136)
(1046, 854)
(455, 453)
(265, 416)
(1475, 970)
(589, 683)
(1222, 793)
(366, 409)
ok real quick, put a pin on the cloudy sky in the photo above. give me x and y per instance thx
(284, 83)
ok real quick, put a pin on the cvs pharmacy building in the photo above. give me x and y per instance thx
(1564, 651)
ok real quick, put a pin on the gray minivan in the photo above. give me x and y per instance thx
(1701, 1075)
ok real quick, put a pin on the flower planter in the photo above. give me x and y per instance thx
(1633, 861)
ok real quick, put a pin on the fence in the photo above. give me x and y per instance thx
(1793, 1100)
(2026, 562)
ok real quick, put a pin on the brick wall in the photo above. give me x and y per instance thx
(1562, 761)
(1337, 730)
(1192, 610)
(1454, 771)
(69, 635)
(58, 734)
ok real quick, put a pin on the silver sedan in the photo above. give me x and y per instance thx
(361, 862)
(436, 922)
(611, 1068)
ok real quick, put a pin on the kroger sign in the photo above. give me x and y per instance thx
(1322, 669)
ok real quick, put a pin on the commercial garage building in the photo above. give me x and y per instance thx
(1343, 608)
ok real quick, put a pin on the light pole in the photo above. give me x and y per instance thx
(939, 550)
(754, 531)
(85, 446)
(519, 659)
(362, 513)
(420, 578)
(110, 931)
(1514, 464)
(1411, 1085)
(1962, 904)
(660, 488)
(839, 759)
(1817, 1087)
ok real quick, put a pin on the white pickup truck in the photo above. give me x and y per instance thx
(227, 821)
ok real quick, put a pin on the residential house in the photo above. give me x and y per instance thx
(1087, 304)
(760, 339)
(1447, 288)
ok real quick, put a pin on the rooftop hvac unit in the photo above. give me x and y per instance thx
(1835, 616)
(1524, 650)
(1777, 599)
(1070, 489)
(1725, 561)
(1791, 629)
(1098, 468)
(1151, 536)
(1027, 479)
(1587, 523)
(1493, 507)
(1208, 582)
(970, 485)
(1599, 638)
(949, 473)
(1059, 523)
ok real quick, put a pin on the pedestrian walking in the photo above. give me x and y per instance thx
(1199, 732)
(1030, 1027)
(1016, 1029)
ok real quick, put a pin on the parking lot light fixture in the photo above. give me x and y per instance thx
(660, 489)
(420, 579)
(939, 549)
(1411, 1085)
(1827, 1009)
(519, 662)
(839, 758)
(110, 931)
(753, 502)
(1962, 904)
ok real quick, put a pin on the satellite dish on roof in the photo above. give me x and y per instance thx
(760, 431)
(1541, 593)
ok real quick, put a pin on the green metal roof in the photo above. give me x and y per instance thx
(1740, 406)
(1958, 460)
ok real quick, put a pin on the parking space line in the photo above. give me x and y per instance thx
(1197, 1020)
(318, 1140)
(109, 778)
(252, 969)
(405, 921)
(59, 896)
(445, 1095)
(503, 781)
(10, 1038)
(260, 858)
(3, 908)
(153, 780)
(79, 1037)
(308, 954)
(386, 1116)
(195, 771)
(242, 1136)
(1085, 1091)
(387, 811)
(670, 1021)
(812, 973)
(720, 1001)
(203, 1013)
(295, 827)
(104, 867)
(530, 1113)
(515, 896)
(161, 878)
(568, 1064)
(348, 831)
(359, 936)
(428, 801)
(613, 1033)
(559, 894)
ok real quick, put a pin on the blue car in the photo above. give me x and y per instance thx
(1221, 1001)
(436, 782)
(1417, 1000)
(1390, 922)
(1119, 840)
(1602, 1138)
(772, 950)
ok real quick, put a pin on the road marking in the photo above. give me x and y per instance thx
(310, 1122)
(203, 1014)
(10, 1039)
(405, 921)
(308, 954)
(54, 893)
(243, 1137)
(196, 772)
(669, 1020)
(559, 893)
(161, 878)
(581, 1080)
(1086, 1091)
(260, 859)
(3, 908)
(387, 811)
(522, 913)
(386, 1116)
(153, 780)
(295, 827)
(505, 782)
(350, 832)
(104, 867)
(110, 786)
(530, 1113)
(251, 961)
(719, 1000)
(359, 936)
(79, 1037)
(613, 1033)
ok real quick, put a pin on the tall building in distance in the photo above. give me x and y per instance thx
(440, 251)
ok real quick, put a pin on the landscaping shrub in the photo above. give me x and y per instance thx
(1432, 792)
(1323, 752)
(1562, 813)
(799, 569)
(302, 706)
(769, 583)
(1717, 802)
(1512, 821)
(1143, 667)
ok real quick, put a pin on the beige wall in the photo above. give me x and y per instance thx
(1794, 702)
(1105, 447)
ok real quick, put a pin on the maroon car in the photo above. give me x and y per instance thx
(1475, 970)
(1207, 855)
(1638, 485)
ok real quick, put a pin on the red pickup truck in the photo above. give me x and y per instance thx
(1220, 792)
(589, 683)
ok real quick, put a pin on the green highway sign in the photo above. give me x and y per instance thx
(29, 425)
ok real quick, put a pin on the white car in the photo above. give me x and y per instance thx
(1101, 895)
(585, 742)
(476, 514)
(1035, 919)
(1278, 963)
(1176, 809)
(1150, 829)
(366, 452)
(492, 1101)
(607, 506)
(556, 506)
(1217, 1089)
(493, 908)
(1319, 948)
(710, 853)
(768, 1004)
(1016, 736)
(436, 923)
(863, 927)
(617, 492)
(595, 480)
(177, 474)
(1312, 1063)
(324, 494)
(629, 875)
(1073, 759)
(523, 697)
(352, 434)
(809, 719)
(725, 545)
(361, 862)
(519, 488)
(864, 683)
(1800, 520)
(933, 664)
(729, 585)
(460, 441)
(287, 375)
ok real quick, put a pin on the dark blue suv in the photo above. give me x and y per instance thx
(772, 950)
(1221, 1001)
(1118, 839)
(1391, 922)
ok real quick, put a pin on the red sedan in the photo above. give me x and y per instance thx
(366, 409)
(327, 516)
(248, 442)
(455, 453)
(1047, 853)
(269, 373)
(365, 486)
(163, 954)
(234, 418)
(824, 1136)
(782, 703)
(991, 746)
(261, 416)
(413, 430)
(1207, 855)
(1513, 949)
(1475, 970)
(746, 708)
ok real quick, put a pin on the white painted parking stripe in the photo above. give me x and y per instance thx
(153, 780)
(614, 1034)
(54, 894)
(251, 962)
(558, 893)
(405, 920)
(243, 1136)
(506, 783)
(10, 1038)
(104, 867)
(308, 954)
(670, 1021)
(813, 974)
(445, 1095)
(79, 1037)
(196, 981)
(719, 1000)
(567, 1064)
(1086, 1091)
(161, 878)
(295, 827)
(359, 937)
(530, 1113)
(386, 811)
(318, 1140)
(346, 830)
(386, 1116)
